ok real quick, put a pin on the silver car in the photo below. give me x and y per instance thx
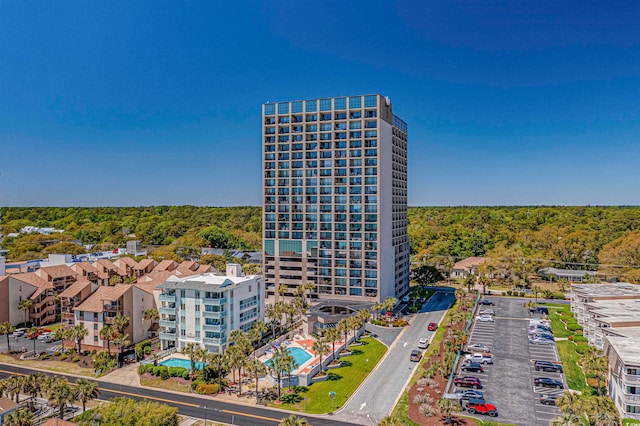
(541, 341)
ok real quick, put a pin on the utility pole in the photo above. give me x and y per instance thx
(524, 281)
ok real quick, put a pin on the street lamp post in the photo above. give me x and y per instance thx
(205, 415)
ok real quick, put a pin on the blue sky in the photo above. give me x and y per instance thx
(155, 102)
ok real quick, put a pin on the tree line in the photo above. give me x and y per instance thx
(568, 237)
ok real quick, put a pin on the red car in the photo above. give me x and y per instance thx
(468, 382)
(432, 326)
(480, 406)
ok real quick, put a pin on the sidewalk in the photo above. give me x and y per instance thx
(127, 375)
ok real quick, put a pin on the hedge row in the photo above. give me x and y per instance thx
(163, 371)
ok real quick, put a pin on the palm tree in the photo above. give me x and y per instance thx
(320, 346)
(21, 417)
(219, 361)
(121, 340)
(484, 282)
(274, 314)
(281, 289)
(77, 334)
(364, 315)
(570, 403)
(33, 332)
(86, 391)
(237, 360)
(332, 334)
(202, 354)
(390, 421)
(596, 363)
(25, 305)
(121, 323)
(291, 365)
(604, 419)
(294, 420)
(7, 328)
(343, 327)
(277, 364)
(190, 351)
(566, 420)
(151, 315)
(107, 334)
(60, 394)
(256, 369)
(389, 303)
(33, 386)
(14, 387)
(308, 287)
(530, 306)
(258, 328)
(354, 324)
(446, 406)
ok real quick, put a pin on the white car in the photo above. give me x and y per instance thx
(19, 332)
(484, 318)
(487, 312)
(423, 343)
(478, 347)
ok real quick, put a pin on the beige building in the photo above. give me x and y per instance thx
(466, 267)
(335, 197)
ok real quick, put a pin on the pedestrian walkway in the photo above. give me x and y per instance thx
(127, 375)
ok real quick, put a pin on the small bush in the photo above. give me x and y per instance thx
(582, 349)
(573, 327)
(207, 389)
(147, 350)
(195, 383)
(76, 358)
(164, 374)
(509, 292)
(56, 353)
(185, 374)
(571, 337)
(142, 369)
(44, 356)
(176, 371)
(63, 357)
(579, 339)
(86, 352)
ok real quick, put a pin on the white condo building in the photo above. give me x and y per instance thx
(335, 197)
(205, 308)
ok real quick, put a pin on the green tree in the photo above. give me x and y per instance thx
(20, 417)
(121, 341)
(108, 333)
(33, 385)
(596, 363)
(426, 274)
(191, 350)
(294, 420)
(14, 386)
(446, 406)
(25, 305)
(320, 346)
(60, 394)
(570, 403)
(86, 391)
(127, 412)
(256, 369)
(77, 334)
(277, 364)
(332, 334)
(120, 323)
(566, 420)
(6, 328)
(530, 306)
(33, 331)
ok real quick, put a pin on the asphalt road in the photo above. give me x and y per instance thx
(190, 405)
(377, 395)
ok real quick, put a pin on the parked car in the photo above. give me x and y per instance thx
(548, 366)
(540, 341)
(548, 399)
(480, 358)
(423, 343)
(480, 406)
(415, 355)
(405, 299)
(540, 327)
(478, 347)
(484, 318)
(486, 312)
(487, 302)
(19, 332)
(470, 394)
(542, 336)
(472, 367)
(468, 382)
(432, 326)
(44, 335)
(547, 382)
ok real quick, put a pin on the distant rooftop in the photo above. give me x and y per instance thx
(627, 347)
(615, 289)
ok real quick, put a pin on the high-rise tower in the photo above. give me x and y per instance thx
(334, 192)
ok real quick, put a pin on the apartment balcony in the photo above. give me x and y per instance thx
(168, 323)
(212, 341)
(215, 315)
(631, 379)
(167, 311)
(170, 298)
(211, 327)
(633, 399)
(217, 302)
(168, 336)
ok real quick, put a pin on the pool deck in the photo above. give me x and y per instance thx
(307, 345)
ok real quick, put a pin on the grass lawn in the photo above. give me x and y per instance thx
(157, 382)
(343, 381)
(557, 326)
(572, 371)
(401, 410)
(51, 365)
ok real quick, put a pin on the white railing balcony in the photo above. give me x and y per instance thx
(211, 327)
(209, 314)
(171, 298)
(212, 341)
(631, 379)
(168, 323)
(631, 398)
(167, 311)
(218, 302)
(168, 336)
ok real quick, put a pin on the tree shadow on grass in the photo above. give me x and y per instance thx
(356, 352)
(346, 363)
(334, 377)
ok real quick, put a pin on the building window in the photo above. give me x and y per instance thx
(95, 339)
(197, 308)
(311, 106)
(183, 333)
(370, 101)
(355, 102)
(183, 293)
(340, 103)
(269, 109)
(197, 334)
(95, 326)
(283, 108)
(296, 106)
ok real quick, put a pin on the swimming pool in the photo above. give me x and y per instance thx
(299, 355)
(179, 362)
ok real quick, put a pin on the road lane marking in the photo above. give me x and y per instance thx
(255, 416)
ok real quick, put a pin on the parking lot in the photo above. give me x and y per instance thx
(508, 383)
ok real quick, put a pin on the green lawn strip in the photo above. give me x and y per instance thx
(157, 382)
(572, 371)
(555, 305)
(50, 365)
(557, 324)
(401, 411)
(345, 381)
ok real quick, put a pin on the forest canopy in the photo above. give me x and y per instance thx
(567, 237)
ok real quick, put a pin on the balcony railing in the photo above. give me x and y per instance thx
(210, 327)
(209, 314)
(167, 311)
(218, 302)
(167, 336)
(171, 298)
(631, 378)
(168, 323)
(632, 398)
(211, 341)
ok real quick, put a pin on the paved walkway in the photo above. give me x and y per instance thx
(127, 375)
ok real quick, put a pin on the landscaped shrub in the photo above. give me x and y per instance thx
(141, 348)
(86, 352)
(582, 349)
(579, 339)
(573, 327)
(509, 292)
(571, 337)
(185, 374)
(195, 383)
(176, 371)
(207, 389)
(164, 374)
(44, 356)
(147, 350)
(142, 369)
(56, 353)
(63, 357)
(75, 358)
